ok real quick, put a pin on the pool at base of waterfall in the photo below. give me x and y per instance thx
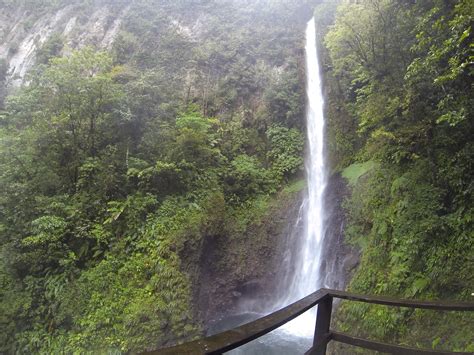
(277, 342)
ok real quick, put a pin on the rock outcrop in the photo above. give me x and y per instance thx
(23, 33)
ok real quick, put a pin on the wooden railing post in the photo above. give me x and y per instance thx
(323, 321)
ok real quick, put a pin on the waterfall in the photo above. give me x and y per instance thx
(305, 275)
(301, 264)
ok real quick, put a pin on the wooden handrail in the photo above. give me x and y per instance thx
(390, 301)
(387, 348)
(231, 339)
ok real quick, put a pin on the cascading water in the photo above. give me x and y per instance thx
(302, 264)
(306, 276)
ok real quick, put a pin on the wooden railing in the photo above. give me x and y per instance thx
(323, 298)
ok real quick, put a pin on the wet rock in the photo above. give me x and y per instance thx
(340, 258)
(351, 261)
(236, 294)
(239, 272)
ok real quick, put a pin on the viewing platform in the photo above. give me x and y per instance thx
(323, 298)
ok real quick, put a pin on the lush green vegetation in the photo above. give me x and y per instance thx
(116, 166)
(401, 108)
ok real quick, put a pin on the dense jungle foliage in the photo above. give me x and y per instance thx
(400, 77)
(116, 165)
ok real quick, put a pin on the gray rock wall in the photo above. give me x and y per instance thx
(23, 32)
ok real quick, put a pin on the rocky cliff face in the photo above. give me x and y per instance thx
(241, 272)
(23, 32)
(340, 259)
(244, 272)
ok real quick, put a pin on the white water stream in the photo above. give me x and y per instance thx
(303, 262)
(306, 276)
